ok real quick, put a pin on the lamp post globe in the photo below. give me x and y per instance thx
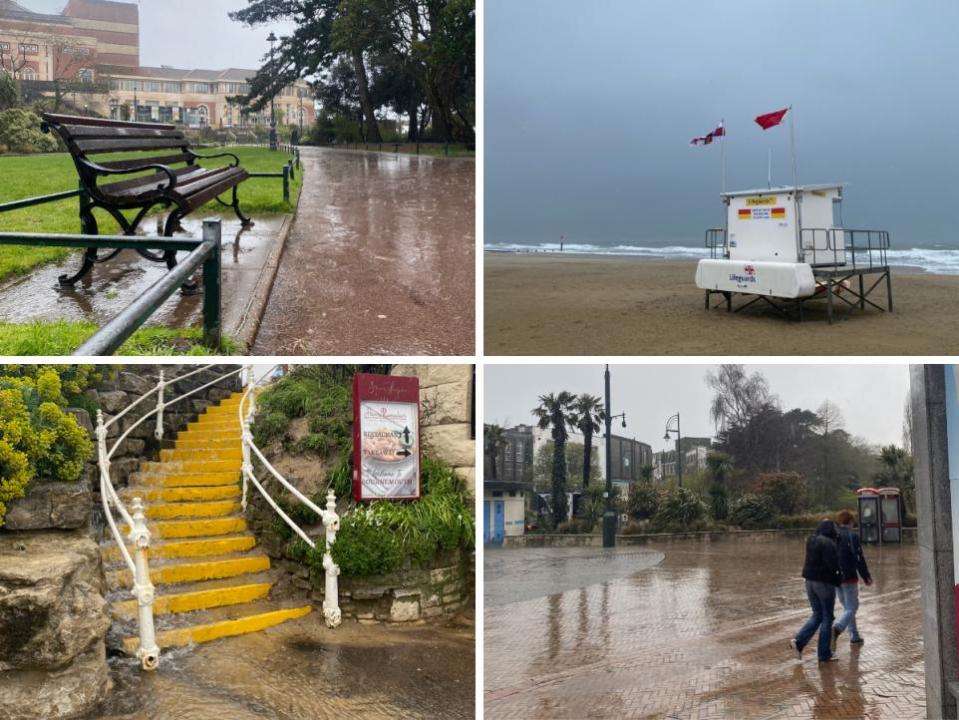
(273, 139)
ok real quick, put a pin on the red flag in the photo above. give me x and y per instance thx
(708, 138)
(720, 130)
(771, 119)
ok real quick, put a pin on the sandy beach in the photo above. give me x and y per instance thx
(592, 305)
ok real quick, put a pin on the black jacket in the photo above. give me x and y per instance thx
(822, 555)
(852, 562)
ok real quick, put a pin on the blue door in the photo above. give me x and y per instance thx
(499, 522)
(487, 529)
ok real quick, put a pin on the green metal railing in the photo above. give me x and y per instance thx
(204, 252)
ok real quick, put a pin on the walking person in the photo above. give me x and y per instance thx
(823, 576)
(852, 564)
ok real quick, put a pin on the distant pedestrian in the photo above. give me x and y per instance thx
(822, 574)
(852, 563)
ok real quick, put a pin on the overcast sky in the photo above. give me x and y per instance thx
(191, 33)
(590, 108)
(870, 397)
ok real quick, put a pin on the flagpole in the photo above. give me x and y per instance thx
(722, 152)
(769, 170)
(792, 147)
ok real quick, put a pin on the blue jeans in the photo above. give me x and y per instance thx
(822, 599)
(849, 595)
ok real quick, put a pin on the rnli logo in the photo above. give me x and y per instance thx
(749, 270)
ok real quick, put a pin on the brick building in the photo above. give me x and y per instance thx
(94, 45)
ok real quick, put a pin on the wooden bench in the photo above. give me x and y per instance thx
(175, 181)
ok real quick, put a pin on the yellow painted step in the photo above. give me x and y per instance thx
(224, 628)
(173, 529)
(194, 571)
(232, 411)
(203, 547)
(199, 600)
(207, 453)
(168, 511)
(187, 442)
(182, 494)
(191, 466)
(179, 479)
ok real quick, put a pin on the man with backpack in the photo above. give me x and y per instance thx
(823, 576)
(852, 563)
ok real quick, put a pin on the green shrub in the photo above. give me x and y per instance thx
(364, 545)
(753, 512)
(643, 501)
(269, 426)
(575, 527)
(679, 508)
(787, 491)
(20, 131)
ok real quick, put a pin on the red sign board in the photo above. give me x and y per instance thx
(386, 437)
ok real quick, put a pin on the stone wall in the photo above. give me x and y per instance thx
(408, 595)
(446, 406)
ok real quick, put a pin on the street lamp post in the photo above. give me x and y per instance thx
(609, 516)
(273, 139)
(679, 457)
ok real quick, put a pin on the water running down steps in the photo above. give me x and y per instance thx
(210, 579)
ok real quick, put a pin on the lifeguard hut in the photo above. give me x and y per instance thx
(786, 245)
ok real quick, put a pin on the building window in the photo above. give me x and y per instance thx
(201, 88)
(130, 85)
(29, 49)
(29, 73)
(171, 87)
(85, 75)
(152, 86)
(204, 115)
(4, 46)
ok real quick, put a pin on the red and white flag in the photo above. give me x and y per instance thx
(720, 131)
(771, 119)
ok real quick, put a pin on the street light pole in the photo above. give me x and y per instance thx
(679, 458)
(609, 517)
(273, 138)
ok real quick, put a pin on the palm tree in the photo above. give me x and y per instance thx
(587, 414)
(554, 411)
(493, 440)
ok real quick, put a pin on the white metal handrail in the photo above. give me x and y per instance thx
(148, 653)
(331, 521)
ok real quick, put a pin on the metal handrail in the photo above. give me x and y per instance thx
(328, 515)
(148, 653)
(715, 239)
(874, 249)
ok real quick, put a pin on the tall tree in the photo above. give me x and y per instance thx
(553, 412)
(586, 415)
(718, 469)
(738, 396)
(493, 440)
(896, 470)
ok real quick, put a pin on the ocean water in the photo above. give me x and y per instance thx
(938, 261)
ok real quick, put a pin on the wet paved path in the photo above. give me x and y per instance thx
(302, 670)
(379, 260)
(691, 630)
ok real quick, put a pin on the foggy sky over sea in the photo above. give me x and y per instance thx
(590, 108)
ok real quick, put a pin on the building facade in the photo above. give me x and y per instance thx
(506, 496)
(94, 47)
(694, 452)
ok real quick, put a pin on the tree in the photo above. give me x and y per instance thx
(646, 473)
(586, 416)
(830, 421)
(787, 491)
(719, 469)
(493, 440)
(9, 96)
(553, 412)
(896, 470)
(542, 470)
(739, 397)
(68, 61)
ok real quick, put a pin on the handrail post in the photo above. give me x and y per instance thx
(158, 433)
(331, 600)
(212, 232)
(247, 466)
(286, 183)
(102, 460)
(148, 653)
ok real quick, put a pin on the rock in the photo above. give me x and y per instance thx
(446, 404)
(71, 692)
(451, 443)
(51, 600)
(431, 375)
(83, 419)
(469, 476)
(114, 402)
(405, 610)
(134, 384)
(50, 505)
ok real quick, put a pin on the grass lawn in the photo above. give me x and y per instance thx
(62, 338)
(33, 175)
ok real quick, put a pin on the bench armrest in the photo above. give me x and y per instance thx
(236, 160)
(100, 170)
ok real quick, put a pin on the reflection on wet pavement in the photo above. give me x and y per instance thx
(691, 629)
(379, 260)
(110, 287)
(302, 670)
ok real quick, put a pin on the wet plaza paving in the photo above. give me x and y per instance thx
(691, 629)
(300, 670)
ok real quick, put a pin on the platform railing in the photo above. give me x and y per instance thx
(717, 244)
(849, 249)
(148, 653)
(331, 521)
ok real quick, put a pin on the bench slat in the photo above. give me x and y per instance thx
(151, 181)
(89, 132)
(54, 119)
(140, 161)
(202, 192)
(122, 145)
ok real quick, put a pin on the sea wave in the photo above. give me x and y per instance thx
(932, 260)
